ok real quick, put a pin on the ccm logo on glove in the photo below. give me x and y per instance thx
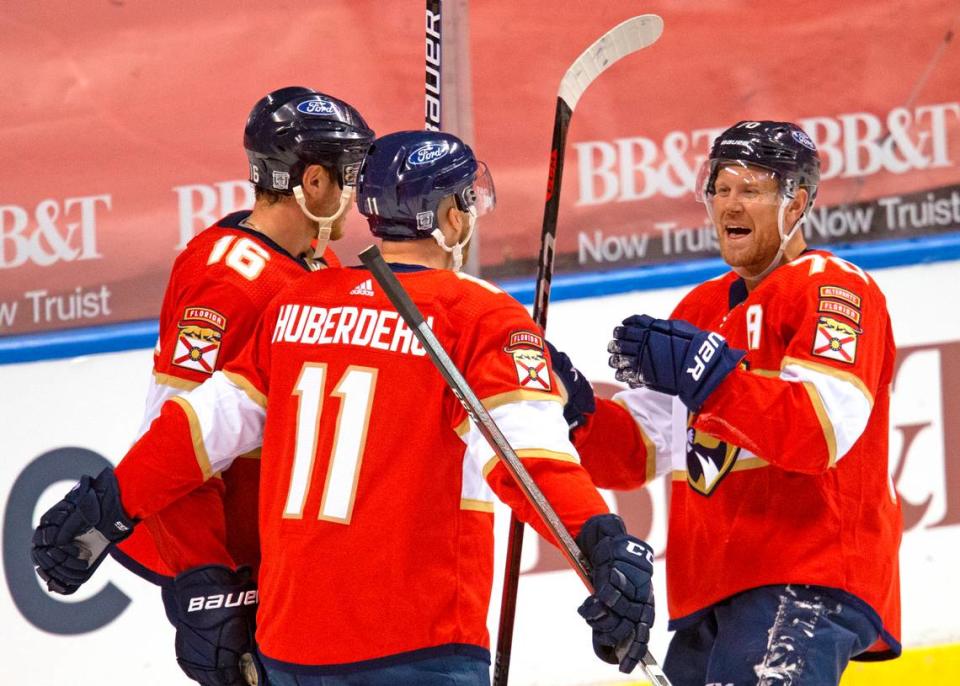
(218, 600)
(635, 548)
(705, 354)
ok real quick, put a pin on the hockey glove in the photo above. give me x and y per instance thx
(620, 611)
(214, 612)
(75, 534)
(580, 400)
(671, 356)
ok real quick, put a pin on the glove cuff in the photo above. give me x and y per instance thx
(729, 360)
(114, 523)
(598, 528)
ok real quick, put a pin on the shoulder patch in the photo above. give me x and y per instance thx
(838, 293)
(835, 340)
(198, 340)
(526, 348)
(838, 308)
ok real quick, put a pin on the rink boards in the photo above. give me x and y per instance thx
(85, 410)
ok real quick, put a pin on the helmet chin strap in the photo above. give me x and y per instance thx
(456, 250)
(324, 224)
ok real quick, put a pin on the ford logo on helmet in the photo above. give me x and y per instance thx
(803, 139)
(318, 107)
(428, 153)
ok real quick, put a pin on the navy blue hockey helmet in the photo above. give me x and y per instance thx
(406, 174)
(294, 127)
(781, 147)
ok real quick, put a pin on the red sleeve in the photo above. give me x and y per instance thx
(192, 530)
(215, 318)
(210, 323)
(509, 369)
(162, 466)
(837, 365)
(565, 485)
(612, 449)
(253, 362)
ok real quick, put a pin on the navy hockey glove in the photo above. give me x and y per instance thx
(580, 400)
(214, 612)
(75, 534)
(671, 356)
(620, 611)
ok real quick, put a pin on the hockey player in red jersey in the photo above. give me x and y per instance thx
(376, 498)
(765, 396)
(304, 149)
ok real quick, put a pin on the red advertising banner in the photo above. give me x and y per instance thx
(875, 85)
(121, 126)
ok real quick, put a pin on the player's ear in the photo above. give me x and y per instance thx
(316, 177)
(797, 205)
(452, 223)
(455, 218)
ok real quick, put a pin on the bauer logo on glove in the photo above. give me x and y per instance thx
(671, 356)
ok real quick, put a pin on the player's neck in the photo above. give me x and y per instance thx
(425, 253)
(285, 224)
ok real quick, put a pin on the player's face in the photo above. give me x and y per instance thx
(745, 206)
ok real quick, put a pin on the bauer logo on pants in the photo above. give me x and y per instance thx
(835, 340)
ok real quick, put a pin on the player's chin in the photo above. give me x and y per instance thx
(336, 231)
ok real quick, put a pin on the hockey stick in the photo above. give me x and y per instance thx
(625, 38)
(434, 69)
(373, 260)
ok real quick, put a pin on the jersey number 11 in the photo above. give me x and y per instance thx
(355, 390)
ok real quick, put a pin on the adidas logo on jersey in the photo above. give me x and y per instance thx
(365, 288)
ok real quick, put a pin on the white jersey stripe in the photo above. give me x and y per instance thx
(229, 422)
(845, 406)
(537, 426)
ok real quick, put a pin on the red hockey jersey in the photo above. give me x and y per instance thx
(218, 289)
(376, 493)
(783, 475)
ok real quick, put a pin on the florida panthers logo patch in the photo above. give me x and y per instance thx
(836, 340)
(526, 347)
(708, 460)
(199, 338)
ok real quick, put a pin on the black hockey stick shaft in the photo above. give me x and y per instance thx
(548, 234)
(551, 209)
(434, 65)
(373, 260)
(628, 37)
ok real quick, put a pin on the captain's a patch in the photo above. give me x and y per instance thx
(835, 340)
(198, 339)
(526, 348)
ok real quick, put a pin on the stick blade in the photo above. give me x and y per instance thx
(623, 39)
